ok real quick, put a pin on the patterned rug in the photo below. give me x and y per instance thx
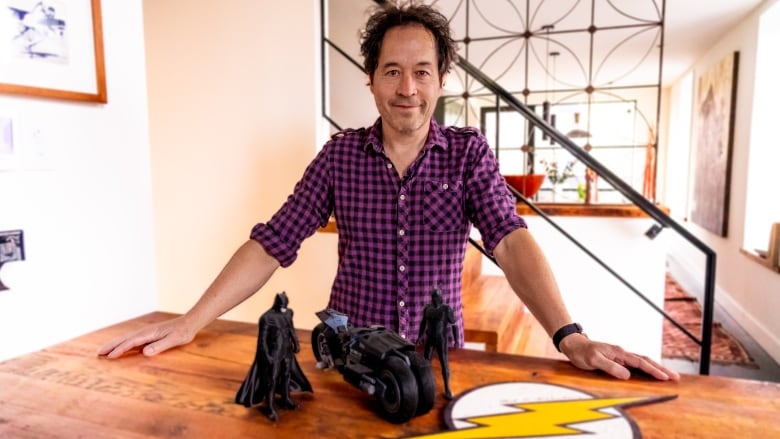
(685, 309)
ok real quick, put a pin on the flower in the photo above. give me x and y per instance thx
(555, 175)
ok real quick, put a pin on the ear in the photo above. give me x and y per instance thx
(443, 80)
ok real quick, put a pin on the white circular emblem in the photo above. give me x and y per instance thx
(525, 409)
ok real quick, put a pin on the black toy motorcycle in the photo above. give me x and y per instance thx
(378, 361)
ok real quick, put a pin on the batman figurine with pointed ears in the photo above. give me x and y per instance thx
(275, 370)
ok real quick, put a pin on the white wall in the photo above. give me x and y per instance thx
(747, 290)
(764, 156)
(234, 107)
(607, 309)
(85, 207)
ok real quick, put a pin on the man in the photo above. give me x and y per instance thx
(405, 193)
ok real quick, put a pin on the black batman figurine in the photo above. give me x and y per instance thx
(437, 317)
(275, 369)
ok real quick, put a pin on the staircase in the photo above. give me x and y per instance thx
(494, 317)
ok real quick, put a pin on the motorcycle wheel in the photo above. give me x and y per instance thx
(426, 383)
(318, 340)
(398, 403)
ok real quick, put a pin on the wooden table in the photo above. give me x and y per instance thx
(67, 391)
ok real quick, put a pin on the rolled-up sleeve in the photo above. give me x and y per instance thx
(490, 205)
(307, 208)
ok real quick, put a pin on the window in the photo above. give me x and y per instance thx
(614, 131)
(591, 58)
(763, 185)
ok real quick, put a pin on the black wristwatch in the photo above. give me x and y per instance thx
(565, 331)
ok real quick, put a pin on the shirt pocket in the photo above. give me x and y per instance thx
(443, 205)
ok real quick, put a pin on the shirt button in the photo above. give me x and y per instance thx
(403, 197)
(401, 304)
(389, 166)
(446, 186)
(402, 232)
(403, 335)
(401, 268)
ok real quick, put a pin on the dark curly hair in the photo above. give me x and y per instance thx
(392, 15)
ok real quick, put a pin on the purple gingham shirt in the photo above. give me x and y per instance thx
(398, 238)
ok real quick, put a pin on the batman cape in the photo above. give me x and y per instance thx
(254, 389)
(274, 360)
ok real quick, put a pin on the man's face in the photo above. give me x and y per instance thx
(406, 83)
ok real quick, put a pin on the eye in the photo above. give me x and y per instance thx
(394, 72)
(423, 73)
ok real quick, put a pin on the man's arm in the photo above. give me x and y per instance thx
(246, 272)
(530, 276)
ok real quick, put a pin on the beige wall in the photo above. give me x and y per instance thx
(350, 101)
(234, 110)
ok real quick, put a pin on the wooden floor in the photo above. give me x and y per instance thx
(495, 317)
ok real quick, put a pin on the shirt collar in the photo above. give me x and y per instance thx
(435, 137)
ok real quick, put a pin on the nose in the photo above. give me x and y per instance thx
(407, 85)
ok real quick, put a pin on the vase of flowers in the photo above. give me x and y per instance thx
(557, 174)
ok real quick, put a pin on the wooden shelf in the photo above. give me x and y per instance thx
(753, 256)
(579, 209)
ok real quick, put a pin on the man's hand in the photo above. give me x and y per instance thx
(591, 355)
(153, 339)
(246, 272)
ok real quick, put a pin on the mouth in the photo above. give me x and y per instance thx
(405, 105)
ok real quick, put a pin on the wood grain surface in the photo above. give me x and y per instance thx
(67, 391)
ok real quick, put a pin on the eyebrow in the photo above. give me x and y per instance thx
(397, 64)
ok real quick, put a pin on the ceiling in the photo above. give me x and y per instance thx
(693, 26)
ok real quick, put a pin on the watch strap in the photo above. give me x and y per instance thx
(565, 331)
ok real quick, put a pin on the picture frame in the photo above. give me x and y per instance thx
(713, 141)
(52, 49)
(773, 250)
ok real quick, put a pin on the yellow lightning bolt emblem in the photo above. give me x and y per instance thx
(538, 419)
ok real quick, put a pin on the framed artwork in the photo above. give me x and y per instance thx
(52, 49)
(713, 138)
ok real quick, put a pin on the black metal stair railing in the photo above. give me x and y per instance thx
(663, 220)
(631, 194)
